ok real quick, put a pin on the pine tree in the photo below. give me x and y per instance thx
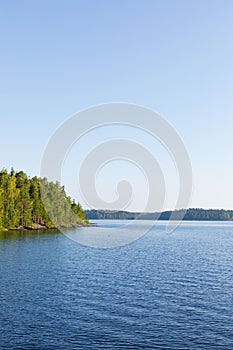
(24, 201)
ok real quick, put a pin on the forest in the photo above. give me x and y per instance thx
(23, 201)
(190, 214)
(33, 203)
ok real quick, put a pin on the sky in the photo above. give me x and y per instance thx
(174, 57)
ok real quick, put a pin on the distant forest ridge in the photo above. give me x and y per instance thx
(190, 214)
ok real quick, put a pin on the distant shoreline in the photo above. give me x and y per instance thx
(191, 214)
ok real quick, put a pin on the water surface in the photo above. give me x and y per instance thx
(160, 292)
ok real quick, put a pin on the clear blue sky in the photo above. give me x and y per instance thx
(176, 57)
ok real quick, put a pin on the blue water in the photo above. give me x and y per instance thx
(160, 292)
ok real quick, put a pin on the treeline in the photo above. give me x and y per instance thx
(35, 202)
(190, 214)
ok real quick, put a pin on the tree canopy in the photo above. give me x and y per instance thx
(26, 202)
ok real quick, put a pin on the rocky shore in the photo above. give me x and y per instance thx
(38, 227)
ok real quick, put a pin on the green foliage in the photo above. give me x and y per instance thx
(190, 214)
(25, 202)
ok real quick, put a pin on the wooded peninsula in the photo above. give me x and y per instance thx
(22, 205)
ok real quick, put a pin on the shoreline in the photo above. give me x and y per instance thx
(38, 227)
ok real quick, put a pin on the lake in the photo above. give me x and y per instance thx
(160, 292)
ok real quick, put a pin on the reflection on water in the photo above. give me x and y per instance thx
(19, 235)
